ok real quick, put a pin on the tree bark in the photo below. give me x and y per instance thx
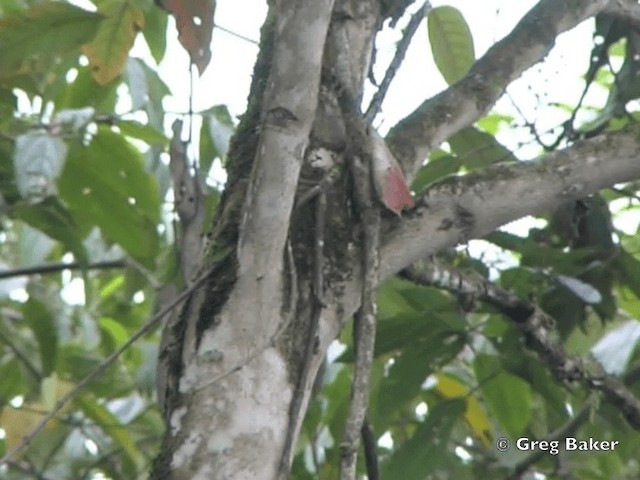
(239, 369)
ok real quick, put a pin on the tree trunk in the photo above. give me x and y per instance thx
(248, 348)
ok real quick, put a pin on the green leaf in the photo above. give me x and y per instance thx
(628, 267)
(216, 131)
(477, 149)
(411, 368)
(427, 449)
(54, 219)
(106, 184)
(108, 52)
(12, 383)
(43, 325)
(436, 169)
(44, 32)
(111, 425)
(139, 131)
(155, 32)
(85, 91)
(451, 42)
(114, 329)
(508, 396)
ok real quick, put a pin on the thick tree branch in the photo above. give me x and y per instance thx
(466, 101)
(629, 10)
(289, 110)
(474, 205)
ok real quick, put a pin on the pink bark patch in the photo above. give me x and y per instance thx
(396, 193)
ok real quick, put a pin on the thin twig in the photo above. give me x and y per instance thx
(364, 328)
(563, 432)
(100, 369)
(59, 267)
(370, 447)
(22, 357)
(401, 50)
(234, 34)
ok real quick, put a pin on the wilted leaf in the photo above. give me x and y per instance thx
(194, 20)
(474, 414)
(108, 52)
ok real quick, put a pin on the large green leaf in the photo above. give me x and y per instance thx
(146, 133)
(427, 449)
(84, 91)
(105, 183)
(43, 325)
(54, 219)
(451, 42)
(508, 396)
(47, 30)
(411, 368)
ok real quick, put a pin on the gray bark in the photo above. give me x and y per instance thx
(243, 336)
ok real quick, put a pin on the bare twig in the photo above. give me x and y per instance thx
(21, 356)
(563, 432)
(364, 328)
(100, 369)
(59, 267)
(401, 50)
(235, 34)
(370, 446)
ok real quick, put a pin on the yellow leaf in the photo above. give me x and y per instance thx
(109, 50)
(18, 422)
(474, 414)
